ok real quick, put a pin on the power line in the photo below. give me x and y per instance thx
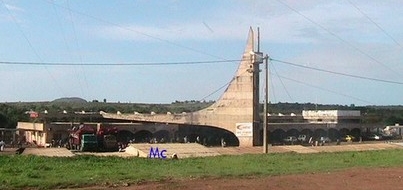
(215, 91)
(117, 64)
(63, 33)
(377, 25)
(31, 46)
(22, 31)
(282, 83)
(339, 38)
(138, 32)
(77, 44)
(192, 63)
(324, 89)
(337, 73)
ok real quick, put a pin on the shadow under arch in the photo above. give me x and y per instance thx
(356, 132)
(293, 132)
(124, 136)
(344, 131)
(277, 136)
(319, 133)
(143, 136)
(334, 134)
(162, 134)
(208, 135)
(307, 132)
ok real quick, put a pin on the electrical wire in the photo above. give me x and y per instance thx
(272, 90)
(324, 89)
(138, 32)
(63, 33)
(31, 46)
(117, 64)
(339, 38)
(73, 25)
(282, 83)
(193, 63)
(377, 25)
(337, 73)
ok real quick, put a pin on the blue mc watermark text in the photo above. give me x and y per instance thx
(155, 153)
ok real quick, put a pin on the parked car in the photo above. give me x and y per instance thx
(374, 137)
(348, 138)
(302, 138)
(290, 139)
(325, 139)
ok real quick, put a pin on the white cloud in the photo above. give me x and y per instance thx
(14, 8)
(11, 9)
(330, 20)
(287, 34)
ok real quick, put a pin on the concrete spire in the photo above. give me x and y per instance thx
(233, 111)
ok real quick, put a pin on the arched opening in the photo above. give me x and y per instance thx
(293, 132)
(193, 137)
(143, 136)
(319, 133)
(276, 137)
(162, 136)
(305, 140)
(307, 132)
(334, 134)
(208, 135)
(124, 136)
(356, 132)
(344, 131)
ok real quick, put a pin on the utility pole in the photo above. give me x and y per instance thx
(257, 59)
(266, 102)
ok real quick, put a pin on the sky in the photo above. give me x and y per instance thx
(134, 51)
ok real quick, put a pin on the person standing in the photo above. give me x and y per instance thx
(2, 145)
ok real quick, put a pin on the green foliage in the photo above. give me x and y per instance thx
(11, 113)
(288, 108)
(21, 172)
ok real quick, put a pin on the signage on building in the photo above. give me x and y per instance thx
(244, 130)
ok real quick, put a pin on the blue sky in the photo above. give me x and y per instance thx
(352, 37)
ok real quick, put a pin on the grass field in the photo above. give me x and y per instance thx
(20, 172)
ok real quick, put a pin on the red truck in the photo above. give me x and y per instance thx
(88, 138)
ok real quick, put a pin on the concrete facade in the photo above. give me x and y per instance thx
(234, 111)
(330, 116)
(32, 132)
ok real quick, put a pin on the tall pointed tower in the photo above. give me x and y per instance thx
(236, 111)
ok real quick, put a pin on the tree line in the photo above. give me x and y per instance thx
(11, 113)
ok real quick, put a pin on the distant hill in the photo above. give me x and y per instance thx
(69, 100)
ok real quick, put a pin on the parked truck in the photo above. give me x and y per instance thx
(88, 138)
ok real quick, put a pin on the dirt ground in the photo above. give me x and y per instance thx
(351, 179)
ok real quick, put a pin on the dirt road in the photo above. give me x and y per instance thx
(351, 179)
